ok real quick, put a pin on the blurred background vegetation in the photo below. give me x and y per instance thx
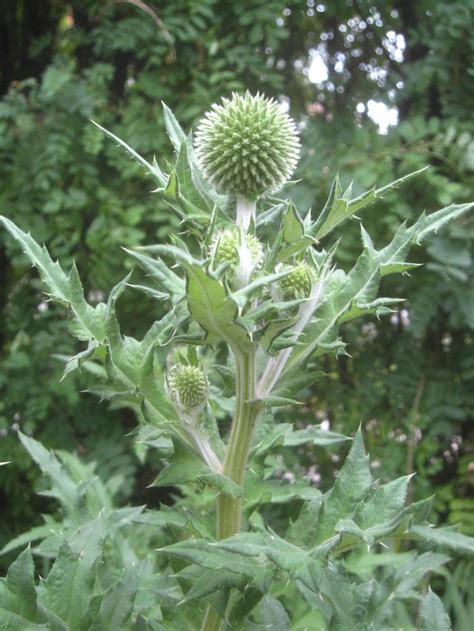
(379, 89)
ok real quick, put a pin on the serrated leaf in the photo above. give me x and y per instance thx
(68, 589)
(38, 532)
(116, 606)
(350, 600)
(344, 292)
(17, 592)
(251, 555)
(352, 484)
(175, 132)
(301, 530)
(66, 289)
(315, 436)
(433, 614)
(153, 169)
(161, 274)
(213, 309)
(206, 582)
(385, 504)
(448, 537)
(185, 466)
(15, 622)
(208, 302)
(276, 492)
(75, 362)
(292, 224)
(408, 576)
(211, 556)
(161, 296)
(166, 516)
(63, 486)
(274, 615)
(365, 563)
(193, 201)
(269, 435)
(340, 206)
(378, 527)
(267, 216)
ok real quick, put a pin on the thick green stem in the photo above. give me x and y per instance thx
(229, 509)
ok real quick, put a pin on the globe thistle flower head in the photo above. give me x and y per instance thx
(298, 283)
(188, 388)
(247, 145)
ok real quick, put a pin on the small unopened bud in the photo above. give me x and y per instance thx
(298, 282)
(242, 252)
(188, 388)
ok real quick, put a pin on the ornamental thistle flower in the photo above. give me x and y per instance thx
(188, 388)
(243, 252)
(298, 283)
(247, 146)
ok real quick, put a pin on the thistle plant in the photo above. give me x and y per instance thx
(246, 321)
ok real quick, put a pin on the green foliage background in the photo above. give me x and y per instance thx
(409, 384)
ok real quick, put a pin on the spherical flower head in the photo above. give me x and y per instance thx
(298, 282)
(188, 388)
(247, 146)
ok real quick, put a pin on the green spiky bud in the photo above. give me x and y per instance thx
(298, 282)
(231, 246)
(247, 145)
(187, 387)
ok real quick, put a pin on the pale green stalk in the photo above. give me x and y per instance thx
(229, 509)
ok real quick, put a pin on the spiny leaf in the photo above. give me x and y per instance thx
(340, 206)
(161, 274)
(38, 532)
(175, 132)
(66, 289)
(64, 488)
(153, 169)
(352, 484)
(206, 582)
(185, 467)
(448, 537)
(378, 527)
(213, 309)
(284, 435)
(433, 614)
(292, 225)
(69, 587)
(117, 603)
(350, 293)
(17, 594)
